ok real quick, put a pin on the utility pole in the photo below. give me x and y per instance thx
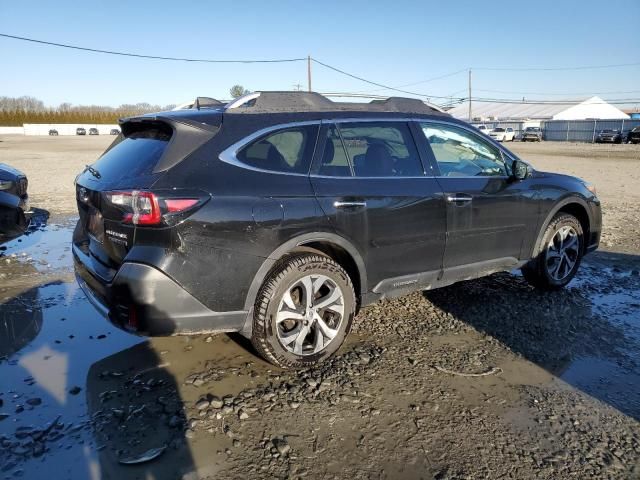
(470, 117)
(309, 71)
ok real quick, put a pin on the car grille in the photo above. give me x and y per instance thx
(21, 186)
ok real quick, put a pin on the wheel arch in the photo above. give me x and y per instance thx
(575, 206)
(335, 246)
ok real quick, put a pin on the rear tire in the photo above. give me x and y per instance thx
(303, 311)
(559, 255)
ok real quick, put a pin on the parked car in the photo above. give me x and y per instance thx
(114, 131)
(14, 202)
(634, 135)
(282, 217)
(483, 128)
(53, 132)
(502, 134)
(609, 136)
(532, 134)
(94, 131)
(80, 131)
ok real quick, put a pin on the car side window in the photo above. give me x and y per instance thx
(461, 153)
(287, 151)
(334, 161)
(381, 149)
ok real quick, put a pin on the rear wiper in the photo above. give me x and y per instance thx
(92, 171)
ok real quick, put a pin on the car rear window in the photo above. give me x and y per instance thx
(134, 155)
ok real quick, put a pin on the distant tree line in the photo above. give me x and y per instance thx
(16, 111)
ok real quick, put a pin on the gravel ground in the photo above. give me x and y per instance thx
(483, 379)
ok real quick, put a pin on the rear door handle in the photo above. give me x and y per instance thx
(349, 204)
(459, 198)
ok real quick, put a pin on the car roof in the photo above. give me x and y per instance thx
(283, 101)
(263, 109)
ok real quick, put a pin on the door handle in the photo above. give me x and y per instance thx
(456, 198)
(339, 204)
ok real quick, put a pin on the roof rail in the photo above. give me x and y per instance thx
(283, 101)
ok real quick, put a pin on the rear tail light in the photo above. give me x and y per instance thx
(180, 204)
(141, 207)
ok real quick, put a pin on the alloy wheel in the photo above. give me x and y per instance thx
(563, 251)
(309, 315)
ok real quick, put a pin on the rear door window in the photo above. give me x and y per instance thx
(370, 149)
(287, 151)
(335, 162)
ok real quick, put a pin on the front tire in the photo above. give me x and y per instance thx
(559, 255)
(303, 311)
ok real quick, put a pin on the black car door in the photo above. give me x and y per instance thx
(489, 214)
(371, 184)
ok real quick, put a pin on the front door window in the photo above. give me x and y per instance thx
(462, 154)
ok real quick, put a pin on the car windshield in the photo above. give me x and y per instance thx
(532, 129)
(498, 129)
(608, 130)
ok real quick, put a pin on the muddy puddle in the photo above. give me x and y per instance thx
(614, 295)
(85, 400)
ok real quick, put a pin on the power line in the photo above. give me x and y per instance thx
(554, 94)
(386, 87)
(382, 86)
(439, 77)
(549, 69)
(153, 57)
(621, 101)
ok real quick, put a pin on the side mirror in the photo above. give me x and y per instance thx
(520, 170)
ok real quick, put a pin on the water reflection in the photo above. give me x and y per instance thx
(20, 322)
(43, 381)
(138, 416)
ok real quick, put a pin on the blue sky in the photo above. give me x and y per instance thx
(394, 43)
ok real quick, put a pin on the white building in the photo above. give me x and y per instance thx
(589, 109)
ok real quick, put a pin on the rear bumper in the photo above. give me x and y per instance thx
(141, 299)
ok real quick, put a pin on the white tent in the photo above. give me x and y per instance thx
(592, 108)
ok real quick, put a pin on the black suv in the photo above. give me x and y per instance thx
(634, 135)
(609, 136)
(281, 214)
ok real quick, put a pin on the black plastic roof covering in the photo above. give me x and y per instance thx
(269, 102)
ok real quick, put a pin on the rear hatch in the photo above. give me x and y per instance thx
(112, 193)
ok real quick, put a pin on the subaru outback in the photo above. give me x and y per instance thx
(281, 214)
